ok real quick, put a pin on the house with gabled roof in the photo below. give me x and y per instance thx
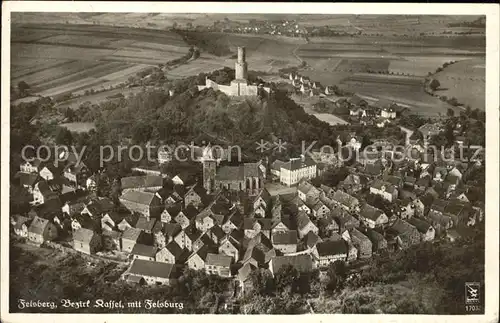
(329, 224)
(171, 253)
(152, 272)
(170, 212)
(43, 193)
(311, 240)
(362, 243)
(230, 246)
(145, 224)
(110, 221)
(251, 227)
(262, 200)
(187, 237)
(128, 221)
(49, 171)
(130, 238)
(372, 217)
(97, 208)
(345, 201)
(379, 243)
(233, 221)
(173, 196)
(403, 233)
(427, 231)
(305, 189)
(302, 207)
(150, 183)
(79, 221)
(166, 234)
(266, 226)
(72, 206)
(146, 203)
(329, 251)
(218, 264)
(255, 256)
(21, 225)
(86, 241)
(216, 234)
(319, 209)
(28, 180)
(32, 166)
(305, 225)
(41, 230)
(76, 173)
(353, 183)
(183, 178)
(187, 216)
(259, 251)
(195, 195)
(283, 224)
(144, 252)
(197, 259)
(286, 242)
(384, 189)
(439, 221)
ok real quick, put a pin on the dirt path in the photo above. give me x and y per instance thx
(294, 52)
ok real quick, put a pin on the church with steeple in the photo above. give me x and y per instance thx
(247, 177)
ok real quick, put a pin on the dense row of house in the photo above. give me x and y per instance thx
(379, 113)
(229, 224)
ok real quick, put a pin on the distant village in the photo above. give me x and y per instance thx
(380, 113)
(227, 223)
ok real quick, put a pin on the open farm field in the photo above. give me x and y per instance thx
(464, 80)
(56, 59)
(328, 118)
(205, 63)
(96, 98)
(406, 94)
(326, 78)
(26, 66)
(104, 70)
(386, 79)
(397, 44)
(307, 104)
(263, 52)
(420, 66)
(324, 64)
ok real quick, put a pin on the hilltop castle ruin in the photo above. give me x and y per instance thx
(239, 86)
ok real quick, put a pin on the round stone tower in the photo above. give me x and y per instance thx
(241, 65)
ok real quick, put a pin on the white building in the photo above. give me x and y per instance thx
(295, 169)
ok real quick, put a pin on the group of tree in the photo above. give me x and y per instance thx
(211, 43)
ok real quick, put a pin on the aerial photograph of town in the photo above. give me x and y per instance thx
(171, 163)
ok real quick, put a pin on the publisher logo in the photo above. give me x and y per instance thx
(472, 292)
